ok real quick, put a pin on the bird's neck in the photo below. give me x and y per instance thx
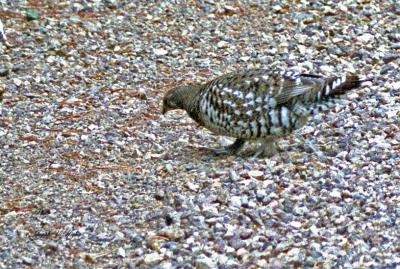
(191, 96)
(187, 96)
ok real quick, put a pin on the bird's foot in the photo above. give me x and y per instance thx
(266, 150)
(231, 149)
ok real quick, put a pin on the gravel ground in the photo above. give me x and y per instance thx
(91, 174)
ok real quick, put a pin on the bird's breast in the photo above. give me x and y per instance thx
(244, 114)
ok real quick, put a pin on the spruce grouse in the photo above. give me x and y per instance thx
(258, 104)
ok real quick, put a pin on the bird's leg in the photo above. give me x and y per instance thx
(267, 149)
(231, 149)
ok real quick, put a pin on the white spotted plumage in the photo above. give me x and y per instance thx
(285, 116)
(250, 95)
(260, 104)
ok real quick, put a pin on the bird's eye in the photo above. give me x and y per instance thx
(171, 104)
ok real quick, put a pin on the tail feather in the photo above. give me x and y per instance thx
(339, 85)
(327, 96)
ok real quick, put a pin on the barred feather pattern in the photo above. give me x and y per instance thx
(259, 104)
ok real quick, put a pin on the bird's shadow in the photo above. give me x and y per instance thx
(247, 153)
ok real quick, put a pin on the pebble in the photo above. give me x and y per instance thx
(209, 212)
(366, 38)
(222, 44)
(326, 69)
(395, 86)
(152, 258)
(336, 194)
(295, 224)
(121, 252)
(27, 260)
(236, 201)
(160, 52)
(233, 175)
(256, 174)
(204, 262)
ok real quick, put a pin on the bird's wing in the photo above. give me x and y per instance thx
(290, 85)
(281, 85)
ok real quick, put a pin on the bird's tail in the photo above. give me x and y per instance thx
(335, 86)
(330, 94)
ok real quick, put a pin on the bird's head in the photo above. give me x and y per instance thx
(179, 98)
(171, 100)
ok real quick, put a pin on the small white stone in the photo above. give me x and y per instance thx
(256, 174)
(340, 219)
(2, 34)
(205, 263)
(336, 194)
(314, 230)
(233, 175)
(210, 210)
(166, 265)
(72, 100)
(365, 38)
(392, 113)
(152, 258)
(119, 235)
(121, 252)
(241, 252)
(12, 214)
(295, 224)
(294, 252)
(17, 82)
(160, 52)
(337, 40)
(262, 263)
(222, 44)
(395, 86)
(27, 260)
(93, 127)
(191, 186)
(302, 49)
(236, 201)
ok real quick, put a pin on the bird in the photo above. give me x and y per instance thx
(258, 105)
